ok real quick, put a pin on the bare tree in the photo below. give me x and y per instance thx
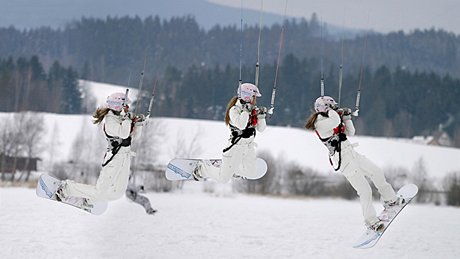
(187, 147)
(420, 178)
(396, 176)
(21, 134)
(86, 153)
(6, 143)
(32, 131)
(451, 184)
(89, 101)
(147, 151)
(148, 145)
(301, 181)
(52, 145)
(11, 144)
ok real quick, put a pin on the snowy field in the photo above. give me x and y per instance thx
(206, 139)
(192, 224)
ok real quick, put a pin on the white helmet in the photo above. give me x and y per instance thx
(115, 101)
(247, 90)
(324, 104)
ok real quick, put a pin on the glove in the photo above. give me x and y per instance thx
(247, 107)
(139, 118)
(356, 113)
(270, 111)
(343, 111)
(261, 110)
(346, 117)
(261, 116)
(126, 115)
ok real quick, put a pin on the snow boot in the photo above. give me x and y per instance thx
(197, 173)
(60, 192)
(377, 226)
(394, 203)
(391, 208)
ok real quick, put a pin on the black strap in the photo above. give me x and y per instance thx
(238, 134)
(114, 152)
(338, 149)
(116, 146)
(336, 143)
(233, 141)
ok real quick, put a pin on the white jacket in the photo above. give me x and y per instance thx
(239, 117)
(325, 128)
(118, 126)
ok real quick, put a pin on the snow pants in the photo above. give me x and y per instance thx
(112, 182)
(355, 167)
(239, 160)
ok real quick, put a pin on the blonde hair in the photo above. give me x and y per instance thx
(311, 121)
(230, 104)
(99, 114)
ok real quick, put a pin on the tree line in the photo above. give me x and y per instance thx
(394, 102)
(108, 50)
(26, 86)
(406, 87)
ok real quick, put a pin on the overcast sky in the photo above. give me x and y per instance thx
(379, 15)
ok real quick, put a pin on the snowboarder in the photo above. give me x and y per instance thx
(244, 119)
(120, 127)
(132, 193)
(333, 125)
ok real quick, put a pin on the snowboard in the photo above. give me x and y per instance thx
(47, 186)
(371, 237)
(181, 169)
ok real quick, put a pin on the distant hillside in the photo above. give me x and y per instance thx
(107, 50)
(57, 13)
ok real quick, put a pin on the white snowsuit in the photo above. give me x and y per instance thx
(240, 159)
(355, 166)
(113, 178)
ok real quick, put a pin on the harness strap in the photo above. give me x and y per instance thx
(334, 143)
(115, 144)
(238, 134)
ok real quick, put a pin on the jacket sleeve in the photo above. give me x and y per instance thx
(261, 124)
(325, 126)
(238, 118)
(349, 127)
(116, 127)
(137, 130)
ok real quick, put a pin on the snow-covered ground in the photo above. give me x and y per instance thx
(191, 224)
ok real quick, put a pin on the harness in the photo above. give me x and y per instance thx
(237, 134)
(334, 143)
(114, 145)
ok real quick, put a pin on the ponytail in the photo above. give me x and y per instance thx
(230, 104)
(99, 114)
(312, 119)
